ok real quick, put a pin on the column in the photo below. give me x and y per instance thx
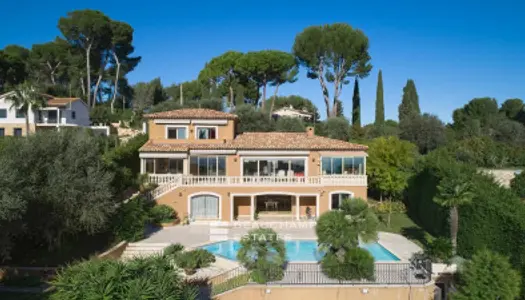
(297, 208)
(185, 166)
(252, 207)
(317, 203)
(142, 166)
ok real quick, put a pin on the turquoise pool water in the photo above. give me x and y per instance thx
(298, 250)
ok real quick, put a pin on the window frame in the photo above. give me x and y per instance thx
(2, 131)
(274, 160)
(342, 166)
(206, 158)
(208, 127)
(73, 115)
(6, 112)
(20, 114)
(332, 194)
(18, 128)
(168, 127)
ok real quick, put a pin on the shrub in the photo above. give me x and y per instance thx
(130, 220)
(354, 264)
(488, 276)
(193, 260)
(139, 278)
(173, 250)
(390, 206)
(517, 184)
(440, 250)
(263, 253)
(162, 214)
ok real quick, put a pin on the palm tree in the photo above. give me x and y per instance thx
(26, 98)
(452, 193)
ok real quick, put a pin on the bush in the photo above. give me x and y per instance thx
(337, 128)
(263, 253)
(130, 221)
(390, 206)
(517, 184)
(354, 264)
(173, 250)
(193, 260)
(440, 250)
(488, 276)
(289, 124)
(139, 278)
(162, 214)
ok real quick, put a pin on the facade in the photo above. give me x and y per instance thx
(206, 171)
(58, 112)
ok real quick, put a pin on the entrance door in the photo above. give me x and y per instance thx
(205, 207)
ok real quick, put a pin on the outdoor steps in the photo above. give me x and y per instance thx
(143, 250)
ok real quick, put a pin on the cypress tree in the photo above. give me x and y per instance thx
(409, 107)
(380, 103)
(356, 106)
(340, 108)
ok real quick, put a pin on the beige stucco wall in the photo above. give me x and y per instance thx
(178, 198)
(258, 292)
(157, 132)
(8, 128)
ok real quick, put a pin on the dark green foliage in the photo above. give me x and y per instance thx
(173, 250)
(148, 94)
(125, 162)
(476, 118)
(336, 128)
(356, 106)
(191, 261)
(380, 102)
(409, 107)
(252, 120)
(509, 132)
(53, 185)
(289, 124)
(439, 250)
(162, 214)
(426, 131)
(517, 184)
(331, 230)
(130, 220)
(263, 253)
(388, 128)
(488, 276)
(140, 278)
(354, 264)
(514, 109)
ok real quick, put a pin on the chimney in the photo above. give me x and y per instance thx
(310, 131)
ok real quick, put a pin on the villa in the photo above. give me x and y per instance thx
(57, 113)
(206, 170)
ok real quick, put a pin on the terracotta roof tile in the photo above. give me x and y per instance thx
(260, 141)
(192, 113)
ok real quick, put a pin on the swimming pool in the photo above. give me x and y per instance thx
(297, 250)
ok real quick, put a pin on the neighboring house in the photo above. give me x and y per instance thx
(289, 111)
(57, 113)
(208, 172)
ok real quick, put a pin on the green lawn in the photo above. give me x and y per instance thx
(401, 223)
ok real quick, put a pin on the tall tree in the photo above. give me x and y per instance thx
(121, 48)
(331, 53)
(409, 107)
(514, 109)
(147, 94)
(454, 190)
(285, 71)
(356, 106)
(49, 61)
(26, 98)
(13, 66)
(380, 102)
(91, 31)
(220, 71)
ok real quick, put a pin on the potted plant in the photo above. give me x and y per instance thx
(308, 213)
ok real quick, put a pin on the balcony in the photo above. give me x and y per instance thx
(190, 180)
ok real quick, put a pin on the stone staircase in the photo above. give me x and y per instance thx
(143, 250)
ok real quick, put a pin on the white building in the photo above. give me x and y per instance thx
(289, 111)
(57, 113)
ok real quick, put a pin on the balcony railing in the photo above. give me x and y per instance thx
(190, 180)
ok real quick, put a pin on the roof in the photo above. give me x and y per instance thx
(192, 113)
(260, 141)
(61, 101)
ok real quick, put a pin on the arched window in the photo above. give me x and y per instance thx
(338, 198)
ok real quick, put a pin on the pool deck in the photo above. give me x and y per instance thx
(199, 234)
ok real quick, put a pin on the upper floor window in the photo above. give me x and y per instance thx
(208, 165)
(176, 133)
(343, 165)
(20, 114)
(73, 115)
(206, 133)
(338, 198)
(3, 113)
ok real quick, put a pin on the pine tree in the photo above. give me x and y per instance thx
(356, 106)
(380, 103)
(409, 107)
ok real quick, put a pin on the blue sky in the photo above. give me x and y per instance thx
(454, 50)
